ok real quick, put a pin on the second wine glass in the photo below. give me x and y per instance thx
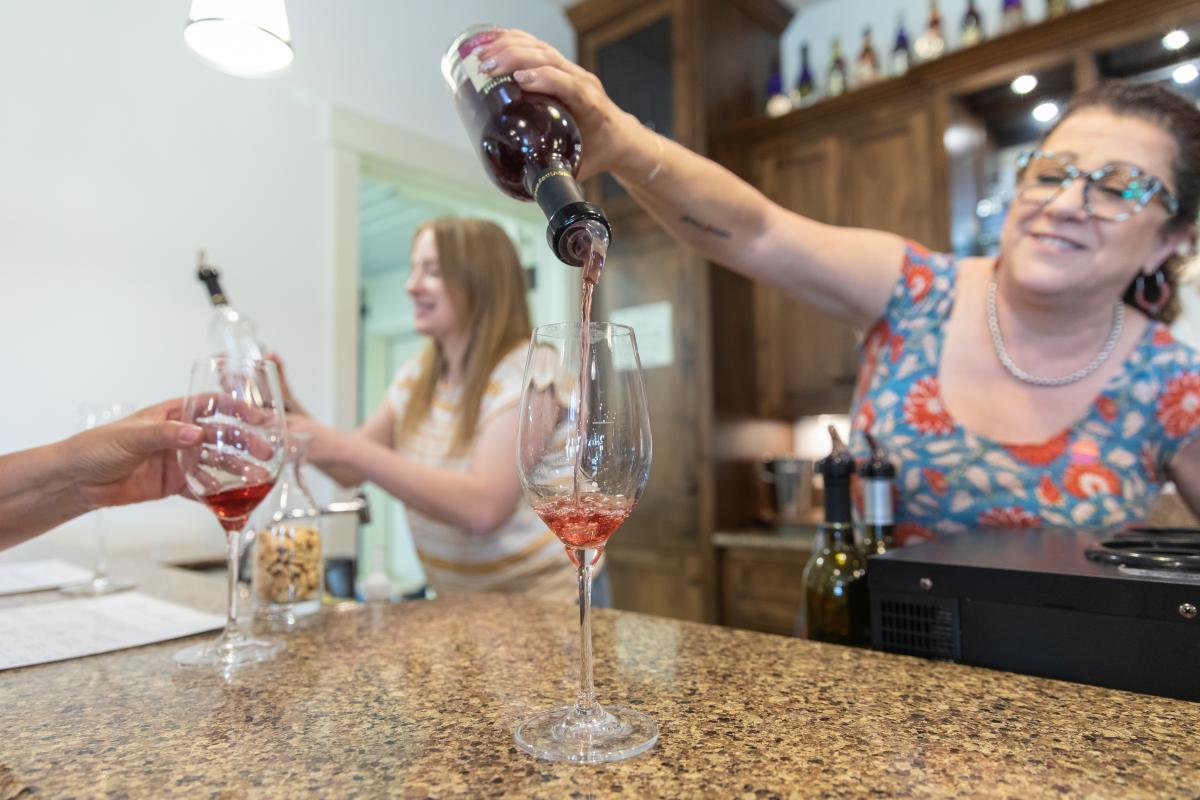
(583, 454)
(239, 405)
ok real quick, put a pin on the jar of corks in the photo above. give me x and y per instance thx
(288, 567)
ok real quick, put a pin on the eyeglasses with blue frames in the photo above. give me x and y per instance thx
(1121, 190)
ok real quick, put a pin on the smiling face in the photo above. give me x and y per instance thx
(434, 310)
(1056, 250)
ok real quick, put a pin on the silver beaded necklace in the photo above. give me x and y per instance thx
(1074, 377)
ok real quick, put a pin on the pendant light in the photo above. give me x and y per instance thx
(247, 38)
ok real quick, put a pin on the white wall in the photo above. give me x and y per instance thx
(819, 23)
(121, 153)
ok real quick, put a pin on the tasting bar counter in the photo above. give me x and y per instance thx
(420, 699)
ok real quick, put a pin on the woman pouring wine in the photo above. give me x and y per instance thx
(1039, 387)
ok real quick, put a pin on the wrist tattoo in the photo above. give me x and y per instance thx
(688, 219)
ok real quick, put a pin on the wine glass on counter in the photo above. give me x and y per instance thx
(239, 404)
(93, 415)
(583, 453)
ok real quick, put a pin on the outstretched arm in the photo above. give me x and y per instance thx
(128, 461)
(848, 273)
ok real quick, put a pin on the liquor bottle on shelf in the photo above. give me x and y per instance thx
(805, 90)
(230, 332)
(877, 476)
(1056, 8)
(932, 43)
(778, 103)
(529, 145)
(837, 82)
(835, 607)
(971, 32)
(1012, 16)
(866, 68)
(901, 50)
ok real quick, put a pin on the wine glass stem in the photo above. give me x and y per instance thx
(233, 541)
(587, 690)
(101, 549)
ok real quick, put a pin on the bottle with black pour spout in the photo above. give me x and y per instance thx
(877, 476)
(529, 144)
(835, 588)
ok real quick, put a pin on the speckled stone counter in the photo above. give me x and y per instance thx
(420, 699)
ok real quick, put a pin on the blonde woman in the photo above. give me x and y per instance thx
(443, 441)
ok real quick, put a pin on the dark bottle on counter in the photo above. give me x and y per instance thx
(901, 50)
(835, 588)
(805, 91)
(529, 145)
(866, 68)
(837, 82)
(971, 31)
(1012, 16)
(877, 476)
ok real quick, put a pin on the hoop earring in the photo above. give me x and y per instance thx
(1161, 292)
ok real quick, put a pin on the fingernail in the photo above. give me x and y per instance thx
(523, 75)
(191, 435)
(488, 65)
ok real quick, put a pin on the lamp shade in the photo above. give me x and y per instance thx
(247, 38)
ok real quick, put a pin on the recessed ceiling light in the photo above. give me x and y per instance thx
(1024, 84)
(1185, 73)
(1045, 112)
(1176, 40)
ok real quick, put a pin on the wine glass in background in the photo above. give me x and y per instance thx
(239, 404)
(93, 415)
(583, 454)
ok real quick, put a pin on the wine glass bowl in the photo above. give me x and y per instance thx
(239, 405)
(583, 454)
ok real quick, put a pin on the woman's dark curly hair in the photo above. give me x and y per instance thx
(1179, 117)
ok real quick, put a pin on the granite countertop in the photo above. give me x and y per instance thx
(420, 700)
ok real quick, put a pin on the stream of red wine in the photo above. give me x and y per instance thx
(592, 267)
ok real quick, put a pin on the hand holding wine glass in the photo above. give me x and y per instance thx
(583, 452)
(239, 405)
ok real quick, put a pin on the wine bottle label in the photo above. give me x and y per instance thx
(468, 67)
(877, 502)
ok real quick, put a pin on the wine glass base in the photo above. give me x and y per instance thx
(228, 652)
(562, 734)
(97, 587)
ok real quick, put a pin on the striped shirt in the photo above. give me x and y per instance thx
(521, 555)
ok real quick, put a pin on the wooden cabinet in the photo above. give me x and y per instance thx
(805, 360)
(656, 61)
(761, 588)
(870, 171)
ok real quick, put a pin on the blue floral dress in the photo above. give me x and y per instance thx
(1104, 470)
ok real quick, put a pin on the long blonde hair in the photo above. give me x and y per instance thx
(486, 286)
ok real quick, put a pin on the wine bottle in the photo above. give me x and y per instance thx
(931, 44)
(901, 50)
(971, 32)
(1012, 16)
(805, 91)
(878, 479)
(837, 82)
(1056, 8)
(529, 145)
(866, 67)
(836, 608)
(230, 332)
(778, 103)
